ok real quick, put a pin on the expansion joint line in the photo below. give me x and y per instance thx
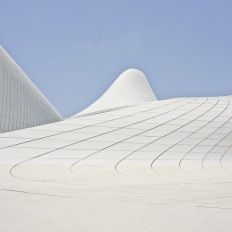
(180, 162)
(96, 124)
(35, 157)
(70, 169)
(120, 161)
(203, 160)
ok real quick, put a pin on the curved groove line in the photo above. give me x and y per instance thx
(116, 166)
(185, 137)
(70, 168)
(181, 160)
(35, 157)
(203, 160)
(84, 126)
(160, 137)
(223, 155)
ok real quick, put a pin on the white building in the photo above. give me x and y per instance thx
(126, 163)
(22, 105)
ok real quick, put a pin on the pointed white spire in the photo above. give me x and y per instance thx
(130, 88)
(22, 104)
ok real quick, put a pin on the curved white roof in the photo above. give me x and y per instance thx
(130, 88)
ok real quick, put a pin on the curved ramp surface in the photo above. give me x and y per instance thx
(157, 166)
(130, 88)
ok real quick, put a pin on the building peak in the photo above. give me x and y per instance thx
(130, 88)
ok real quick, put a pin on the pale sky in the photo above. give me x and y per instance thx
(73, 50)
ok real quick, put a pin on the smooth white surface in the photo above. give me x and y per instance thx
(126, 163)
(22, 105)
(130, 88)
(157, 166)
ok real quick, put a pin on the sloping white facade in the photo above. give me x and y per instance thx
(22, 105)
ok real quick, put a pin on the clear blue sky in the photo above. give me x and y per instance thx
(74, 49)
